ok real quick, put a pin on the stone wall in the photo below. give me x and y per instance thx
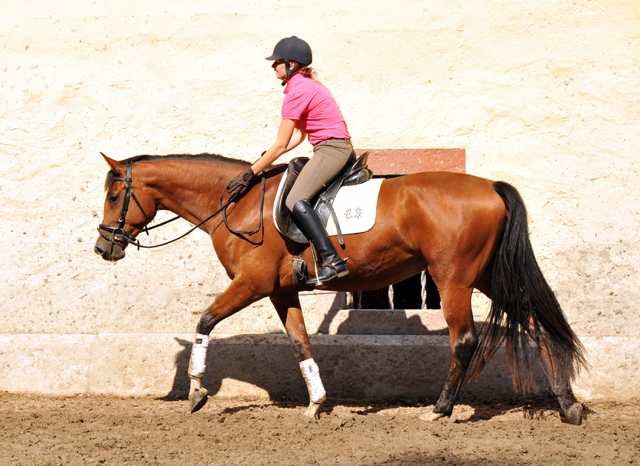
(542, 94)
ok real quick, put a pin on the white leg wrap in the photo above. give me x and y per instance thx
(311, 374)
(197, 363)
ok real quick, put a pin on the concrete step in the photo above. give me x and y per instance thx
(352, 366)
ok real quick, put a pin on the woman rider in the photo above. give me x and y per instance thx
(308, 111)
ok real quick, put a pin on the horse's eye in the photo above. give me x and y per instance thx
(113, 199)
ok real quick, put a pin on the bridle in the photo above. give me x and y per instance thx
(120, 237)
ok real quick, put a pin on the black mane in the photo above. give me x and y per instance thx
(142, 158)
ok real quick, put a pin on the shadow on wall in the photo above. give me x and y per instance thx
(378, 366)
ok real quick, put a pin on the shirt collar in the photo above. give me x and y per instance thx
(296, 78)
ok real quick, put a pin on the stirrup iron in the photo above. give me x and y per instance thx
(320, 284)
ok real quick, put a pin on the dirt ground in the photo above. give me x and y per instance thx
(38, 430)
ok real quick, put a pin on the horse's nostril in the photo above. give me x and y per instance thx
(98, 250)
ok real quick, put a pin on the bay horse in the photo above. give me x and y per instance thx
(467, 232)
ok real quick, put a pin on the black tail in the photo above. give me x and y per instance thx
(524, 305)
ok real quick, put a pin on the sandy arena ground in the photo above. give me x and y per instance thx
(38, 430)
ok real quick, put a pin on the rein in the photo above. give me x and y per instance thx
(125, 237)
(241, 233)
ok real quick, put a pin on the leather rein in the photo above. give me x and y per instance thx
(122, 238)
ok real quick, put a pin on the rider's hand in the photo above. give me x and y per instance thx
(242, 183)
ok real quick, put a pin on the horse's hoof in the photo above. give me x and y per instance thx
(431, 416)
(313, 411)
(574, 414)
(198, 398)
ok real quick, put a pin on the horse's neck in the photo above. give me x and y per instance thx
(190, 188)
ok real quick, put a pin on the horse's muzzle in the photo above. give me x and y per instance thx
(109, 251)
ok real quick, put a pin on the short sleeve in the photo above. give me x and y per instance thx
(294, 106)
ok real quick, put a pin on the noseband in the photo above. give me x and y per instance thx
(118, 234)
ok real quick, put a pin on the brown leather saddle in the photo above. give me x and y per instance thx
(353, 174)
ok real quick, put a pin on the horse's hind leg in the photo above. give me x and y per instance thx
(456, 305)
(571, 408)
(288, 307)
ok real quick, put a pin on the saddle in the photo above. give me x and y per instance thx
(353, 174)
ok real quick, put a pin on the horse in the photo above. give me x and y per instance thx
(467, 232)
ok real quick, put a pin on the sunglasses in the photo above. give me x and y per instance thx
(276, 63)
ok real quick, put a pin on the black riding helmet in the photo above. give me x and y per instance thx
(292, 48)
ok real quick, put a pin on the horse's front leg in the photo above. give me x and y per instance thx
(288, 308)
(236, 297)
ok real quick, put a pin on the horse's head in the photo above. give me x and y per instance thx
(123, 220)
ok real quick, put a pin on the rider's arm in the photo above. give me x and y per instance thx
(288, 138)
(296, 139)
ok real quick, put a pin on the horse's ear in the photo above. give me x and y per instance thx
(116, 166)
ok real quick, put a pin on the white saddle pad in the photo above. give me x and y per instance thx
(355, 207)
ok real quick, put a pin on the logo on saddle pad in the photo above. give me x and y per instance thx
(347, 206)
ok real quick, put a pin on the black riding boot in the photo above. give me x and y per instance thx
(332, 264)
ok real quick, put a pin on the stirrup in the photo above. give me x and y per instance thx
(338, 269)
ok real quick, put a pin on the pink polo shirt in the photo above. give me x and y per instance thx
(314, 109)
